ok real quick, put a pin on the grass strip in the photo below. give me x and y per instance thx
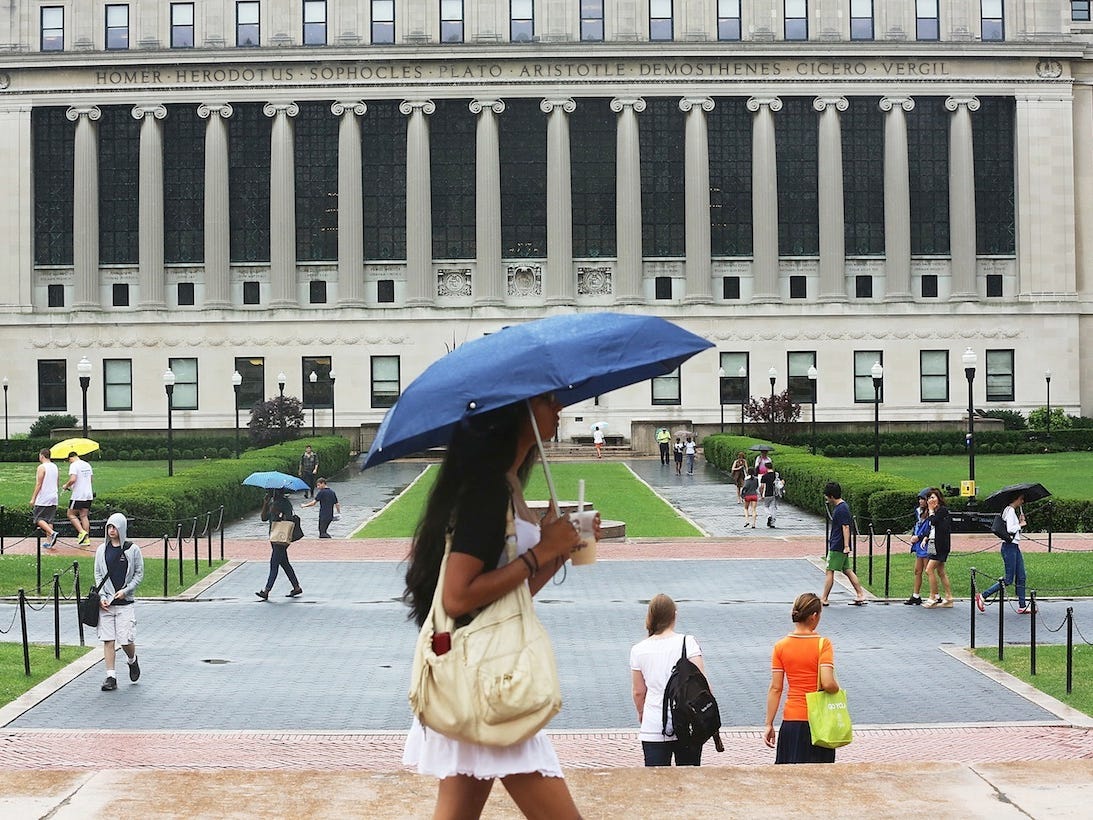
(1050, 677)
(19, 571)
(14, 683)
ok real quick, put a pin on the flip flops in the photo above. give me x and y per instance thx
(856, 603)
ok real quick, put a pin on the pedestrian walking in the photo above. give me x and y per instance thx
(327, 500)
(677, 453)
(597, 441)
(80, 479)
(750, 494)
(739, 471)
(770, 490)
(938, 544)
(689, 450)
(838, 545)
(664, 442)
(44, 498)
(119, 568)
(1012, 558)
(276, 507)
(919, 534)
(309, 469)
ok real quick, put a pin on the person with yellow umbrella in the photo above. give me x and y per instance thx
(79, 482)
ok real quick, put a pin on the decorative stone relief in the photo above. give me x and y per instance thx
(1049, 69)
(525, 280)
(594, 281)
(453, 282)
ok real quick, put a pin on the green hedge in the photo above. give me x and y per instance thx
(947, 442)
(134, 447)
(157, 503)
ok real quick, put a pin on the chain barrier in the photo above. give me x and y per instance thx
(11, 626)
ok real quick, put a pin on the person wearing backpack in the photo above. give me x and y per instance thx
(651, 664)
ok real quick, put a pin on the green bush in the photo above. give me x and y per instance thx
(48, 423)
(1012, 419)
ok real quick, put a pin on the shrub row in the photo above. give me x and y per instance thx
(132, 447)
(886, 501)
(157, 503)
(948, 442)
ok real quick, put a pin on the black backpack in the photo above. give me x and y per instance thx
(695, 717)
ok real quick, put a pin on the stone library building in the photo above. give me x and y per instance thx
(332, 194)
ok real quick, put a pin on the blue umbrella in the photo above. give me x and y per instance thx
(273, 480)
(577, 356)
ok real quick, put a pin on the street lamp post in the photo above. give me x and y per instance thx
(812, 375)
(313, 378)
(332, 428)
(742, 374)
(720, 394)
(773, 374)
(84, 369)
(1047, 380)
(5, 409)
(169, 387)
(237, 382)
(281, 379)
(877, 372)
(969, 359)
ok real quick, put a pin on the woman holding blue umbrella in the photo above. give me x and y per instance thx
(479, 486)
(276, 507)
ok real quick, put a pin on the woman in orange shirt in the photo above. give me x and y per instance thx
(797, 657)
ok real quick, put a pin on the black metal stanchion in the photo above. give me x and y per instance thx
(181, 558)
(971, 611)
(209, 535)
(197, 558)
(38, 566)
(871, 535)
(23, 622)
(221, 527)
(1050, 523)
(887, 561)
(2, 518)
(166, 561)
(853, 549)
(1032, 635)
(57, 615)
(1069, 649)
(1001, 615)
(76, 587)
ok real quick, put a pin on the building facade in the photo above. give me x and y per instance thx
(289, 187)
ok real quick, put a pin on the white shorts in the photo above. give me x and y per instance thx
(119, 623)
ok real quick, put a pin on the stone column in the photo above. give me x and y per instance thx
(897, 200)
(350, 193)
(962, 199)
(282, 205)
(1083, 188)
(85, 209)
(150, 202)
(764, 200)
(420, 281)
(697, 179)
(561, 283)
(830, 200)
(489, 284)
(217, 206)
(627, 284)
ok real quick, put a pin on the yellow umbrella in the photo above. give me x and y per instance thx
(81, 446)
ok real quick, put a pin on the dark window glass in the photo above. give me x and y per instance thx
(663, 286)
(120, 294)
(53, 28)
(385, 381)
(252, 293)
(994, 285)
(1079, 10)
(182, 25)
(54, 140)
(666, 388)
(728, 19)
(993, 16)
(729, 128)
(385, 291)
(801, 388)
(663, 202)
(185, 293)
(523, 180)
(592, 177)
(929, 286)
(993, 149)
(183, 185)
(863, 287)
(730, 287)
(55, 295)
(452, 140)
(1000, 375)
(248, 183)
(119, 184)
(862, 128)
(383, 168)
(117, 27)
(928, 166)
(798, 287)
(796, 140)
(252, 389)
(315, 149)
(314, 22)
(320, 393)
(451, 21)
(247, 24)
(317, 292)
(592, 20)
(383, 21)
(52, 387)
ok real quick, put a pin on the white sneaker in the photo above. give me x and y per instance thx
(930, 602)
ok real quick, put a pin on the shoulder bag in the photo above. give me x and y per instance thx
(999, 528)
(493, 681)
(90, 605)
(828, 715)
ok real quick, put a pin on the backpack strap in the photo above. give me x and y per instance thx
(664, 700)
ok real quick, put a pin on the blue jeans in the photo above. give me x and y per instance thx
(277, 559)
(660, 754)
(1015, 571)
(690, 462)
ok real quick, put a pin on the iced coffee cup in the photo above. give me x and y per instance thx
(585, 522)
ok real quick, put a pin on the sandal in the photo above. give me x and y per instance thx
(856, 603)
(825, 603)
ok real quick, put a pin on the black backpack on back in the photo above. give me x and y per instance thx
(695, 716)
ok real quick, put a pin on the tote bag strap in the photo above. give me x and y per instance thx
(819, 655)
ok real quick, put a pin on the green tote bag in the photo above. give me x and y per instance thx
(828, 715)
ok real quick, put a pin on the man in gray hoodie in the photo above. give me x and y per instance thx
(119, 568)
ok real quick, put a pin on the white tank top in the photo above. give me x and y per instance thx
(47, 495)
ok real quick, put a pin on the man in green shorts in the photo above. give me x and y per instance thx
(838, 544)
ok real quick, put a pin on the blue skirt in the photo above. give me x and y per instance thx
(795, 745)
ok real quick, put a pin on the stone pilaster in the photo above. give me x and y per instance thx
(85, 208)
(282, 205)
(962, 199)
(830, 198)
(420, 281)
(764, 199)
(217, 205)
(897, 199)
(561, 285)
(697, 179)
(150, 201)
(488, 276)
(350, 213)
(628, 272)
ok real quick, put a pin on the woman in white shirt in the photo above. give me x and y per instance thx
(651, 664)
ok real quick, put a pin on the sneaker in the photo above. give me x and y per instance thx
(263, 594)
(980, 604)
(83, 539)
(914, 600)
(110, 684)
(1028, 609)
(747, 524)
(292, 593)
(946, 604)
(134, 670)
(50, 542)
(929, 603)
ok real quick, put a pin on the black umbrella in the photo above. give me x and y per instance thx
(1000, 498)
(763, 448)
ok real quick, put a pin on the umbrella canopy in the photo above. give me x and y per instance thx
(577, 356)
(682, 433)
(601, 425)
(80, 446)
(1000, 498)
(273, 480)
(762, 448)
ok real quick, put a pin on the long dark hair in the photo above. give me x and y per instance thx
(471, 482)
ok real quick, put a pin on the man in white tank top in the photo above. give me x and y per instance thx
(44, 498)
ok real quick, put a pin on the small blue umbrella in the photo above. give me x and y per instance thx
(577, 356)
(273, 480)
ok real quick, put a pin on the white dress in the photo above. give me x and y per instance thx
(434, 754)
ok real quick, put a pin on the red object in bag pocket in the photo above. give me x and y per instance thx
(442, 643)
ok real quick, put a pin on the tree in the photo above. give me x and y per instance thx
(778, 413)
(1037, 419)
(276, 419)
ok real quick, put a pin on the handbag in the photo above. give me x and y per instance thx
(281, 532)
(493, 681)
(90, 606)
(297, 528)
(828, 715)
(999, 528)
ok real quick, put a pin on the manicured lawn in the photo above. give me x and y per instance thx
(611, 487)
(17, 480)
(13, 681)
(1050, 674)
(1067, 475)
(1056, 573)
(19, 571)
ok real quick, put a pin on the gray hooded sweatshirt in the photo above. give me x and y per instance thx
(134, 572)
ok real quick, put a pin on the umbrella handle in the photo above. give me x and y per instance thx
(543, 459)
